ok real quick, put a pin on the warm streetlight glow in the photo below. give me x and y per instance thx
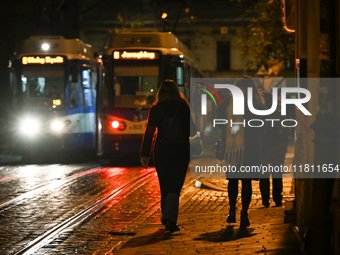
(164, 15)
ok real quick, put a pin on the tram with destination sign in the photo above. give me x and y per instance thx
(53, 86)
(135, 63)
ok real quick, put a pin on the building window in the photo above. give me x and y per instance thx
(223, 56)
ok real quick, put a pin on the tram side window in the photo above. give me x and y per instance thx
(73, 95)
(86, 88)
(14, 88)
(188, 73)
(179, 75)
(93, 82)
(104, 84)
(180, 79)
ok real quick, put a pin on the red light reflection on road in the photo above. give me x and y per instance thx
(110, 171)
(89, 172)
(116, 170)
(6, 178)
(146, 194)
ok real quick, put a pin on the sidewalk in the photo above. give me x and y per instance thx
(204, 230)
(203, 209)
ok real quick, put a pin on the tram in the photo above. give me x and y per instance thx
(53, 87)
(135, 63)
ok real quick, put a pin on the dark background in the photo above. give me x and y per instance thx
(91, 20)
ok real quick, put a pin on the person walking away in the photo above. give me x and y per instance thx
(274, 153)
(243, 145)
(171, 119)
(260, 89)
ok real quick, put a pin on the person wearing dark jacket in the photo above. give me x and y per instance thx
(242, 148)
(274, 153)
(171, 160)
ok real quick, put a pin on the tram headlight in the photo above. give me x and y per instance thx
(30, 126)
(45, 46)
(58, 125)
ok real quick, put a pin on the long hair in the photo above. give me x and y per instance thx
(169, 90)
(246, 82)
(268, 99)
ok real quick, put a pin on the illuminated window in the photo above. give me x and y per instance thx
(73, 95)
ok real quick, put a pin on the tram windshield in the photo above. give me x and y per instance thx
(41, 84)
(135, 86)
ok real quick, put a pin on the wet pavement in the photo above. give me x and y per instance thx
(30, 208)
(93, 208)
(203, 227)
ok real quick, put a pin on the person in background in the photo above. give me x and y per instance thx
(242, 148)
(53, 92)
(260, 89)
(171, 160)
(274, 152)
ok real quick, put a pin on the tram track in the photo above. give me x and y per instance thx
(67, 223)
(143, 217)
(86, 214)
(52, 184)
(72, 172)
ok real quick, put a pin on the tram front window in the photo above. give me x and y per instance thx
(43, 86)
(135, 86)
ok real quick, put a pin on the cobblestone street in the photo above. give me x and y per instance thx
(204, 230)
(47, 202)
(203, 209)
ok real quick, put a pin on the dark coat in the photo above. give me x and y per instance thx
(252, 154)
(171, 161)
(252, 136)
(275, 138)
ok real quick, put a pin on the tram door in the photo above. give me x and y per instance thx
(99, 105)
(87, 114)
(74, 107)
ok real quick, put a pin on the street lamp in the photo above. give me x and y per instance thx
(164, 15)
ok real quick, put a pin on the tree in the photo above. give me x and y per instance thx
(264, 38)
